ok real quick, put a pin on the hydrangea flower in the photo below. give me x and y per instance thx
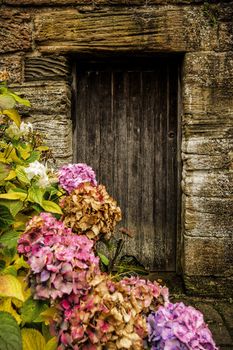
(176, 326)
(91, 211)
(72, 175)
(13, 131)
(111, 316)
(61, 262)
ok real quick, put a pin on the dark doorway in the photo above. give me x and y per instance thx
(127, 130)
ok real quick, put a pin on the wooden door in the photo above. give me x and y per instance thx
(126, 129)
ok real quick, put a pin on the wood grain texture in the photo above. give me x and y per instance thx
(127, 131)
(120, 29)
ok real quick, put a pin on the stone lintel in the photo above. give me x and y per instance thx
(121, 29)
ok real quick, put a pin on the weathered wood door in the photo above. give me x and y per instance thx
(126, 129)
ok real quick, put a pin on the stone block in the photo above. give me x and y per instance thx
(122, 29)
(13, 65)
(208, 256)
(207, 146)
(48, 99)
(16, 31)
(206, 162)
(57, 132)
(207, 104)
(46, 68)
(209, 69)
(209, 286)
(200, 224)
(208, 184)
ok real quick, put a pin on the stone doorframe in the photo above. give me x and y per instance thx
(36, 46)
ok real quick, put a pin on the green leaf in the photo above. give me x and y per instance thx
(10, 286)
(21, 175)
(51, 207)
(104, 259)
(10, 336)
(32, 309)
(13, 115)
(6, 101)
(6, 218)
(13, 205)
(35, 195)
(34, 156)
(19, 99)
(4, 171)
(9, 239)
(52, 344)
(32, 339)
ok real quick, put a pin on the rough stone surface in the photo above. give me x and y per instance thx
(16, 31)
(51, 115)
(166, 28)
(100, 2)
(46, 68)
(59, 142)
(13, 65)
(209, 286)
(215, 259)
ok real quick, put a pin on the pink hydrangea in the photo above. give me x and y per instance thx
(176, 326)
(61, 262)
(72, 175)
(41, 230)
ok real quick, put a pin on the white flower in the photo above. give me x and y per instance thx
(14, 131)
(38, 169)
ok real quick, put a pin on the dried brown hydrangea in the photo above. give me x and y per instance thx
(90, 210)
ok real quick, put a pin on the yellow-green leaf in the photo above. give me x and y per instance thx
(51, 344)
(11, 287)
(6, 305)
(42, 148)
(21, 175)
(19, 99)
(6, 101)
(13, 115)
(51, 207)
(11, 175)
(32, 339)
(14, 195)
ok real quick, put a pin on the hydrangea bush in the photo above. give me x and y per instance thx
(51, 275)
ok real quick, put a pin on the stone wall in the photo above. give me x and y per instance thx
(37, 39)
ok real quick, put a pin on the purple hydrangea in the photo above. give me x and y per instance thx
(72, 175)
(179, 327)
(61, 262)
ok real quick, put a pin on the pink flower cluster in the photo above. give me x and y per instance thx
(72, 175)
(176, 326)
(111, 316)
(61, 262)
